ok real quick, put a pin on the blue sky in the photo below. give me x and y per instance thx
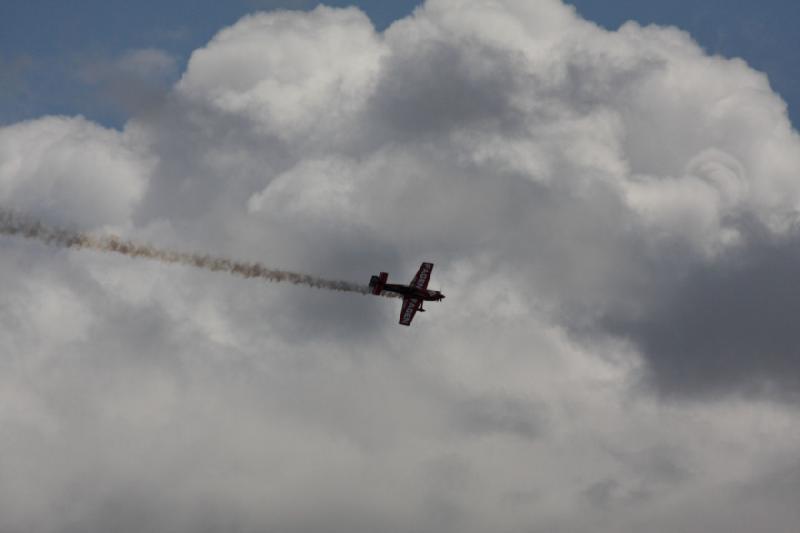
(46, 45)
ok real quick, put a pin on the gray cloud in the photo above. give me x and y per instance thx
(436, 87)
(486, 416)
(728, 325)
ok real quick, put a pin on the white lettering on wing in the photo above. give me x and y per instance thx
(409, 312)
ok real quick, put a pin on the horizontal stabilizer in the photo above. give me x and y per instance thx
(376, 283)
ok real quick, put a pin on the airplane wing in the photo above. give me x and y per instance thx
(409, 309)
(423, 276)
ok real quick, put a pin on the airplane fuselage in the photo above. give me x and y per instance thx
(413, 292)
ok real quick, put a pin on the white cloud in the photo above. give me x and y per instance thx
(572, 185)
(291, 72)
(72, 171)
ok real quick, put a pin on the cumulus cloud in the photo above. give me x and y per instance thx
(72, 171)
(602, 207)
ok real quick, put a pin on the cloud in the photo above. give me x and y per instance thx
(289, 72)
(600, 206)
(728, 325)
(72, 171)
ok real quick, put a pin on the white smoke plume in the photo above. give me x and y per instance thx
(12, 223)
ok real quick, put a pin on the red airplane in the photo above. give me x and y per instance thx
(413, 294)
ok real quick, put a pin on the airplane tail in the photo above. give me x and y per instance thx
(376, 283)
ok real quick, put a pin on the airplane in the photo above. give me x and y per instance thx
(413, 294)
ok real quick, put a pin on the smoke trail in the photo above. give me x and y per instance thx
(13, 224)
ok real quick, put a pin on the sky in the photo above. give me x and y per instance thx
(47, 46)
(611, 207)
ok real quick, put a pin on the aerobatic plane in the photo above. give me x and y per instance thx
(413, 294)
